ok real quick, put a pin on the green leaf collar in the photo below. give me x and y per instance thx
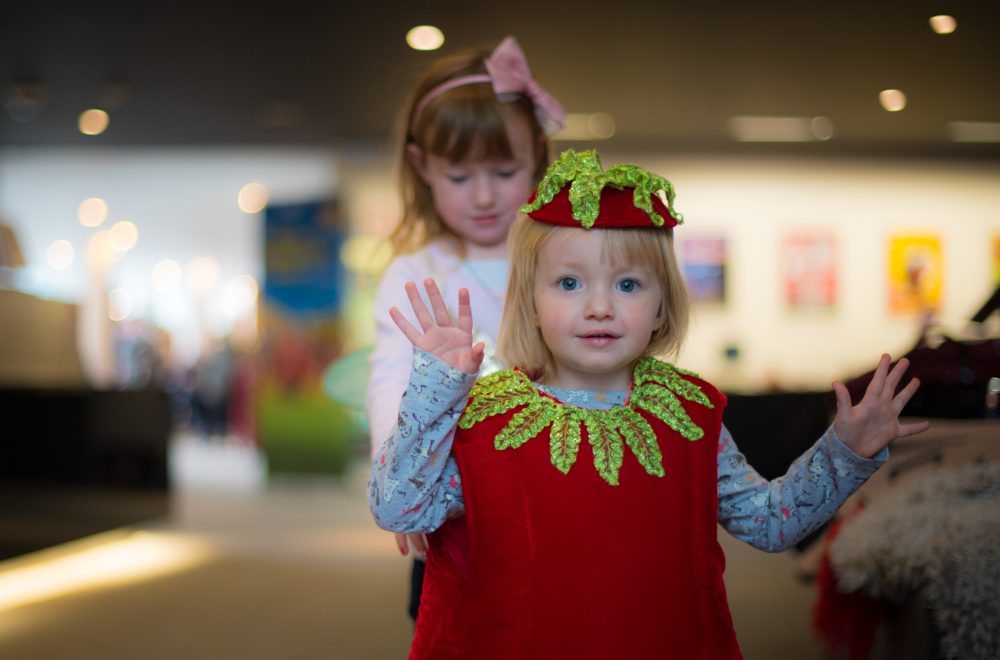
(658, 388)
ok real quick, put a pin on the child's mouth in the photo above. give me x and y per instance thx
(598, 339)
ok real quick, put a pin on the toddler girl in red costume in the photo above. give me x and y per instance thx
(572, 500)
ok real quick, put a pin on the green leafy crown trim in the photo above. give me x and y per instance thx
(658, 388)
(587, 179)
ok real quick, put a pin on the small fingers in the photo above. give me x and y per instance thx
(877, 383)
(419, 308)
(905, 395)
(402, 544)
(464, 321)
(441, 315)
(418, 542)
(471, 362)
(843, 397)
(913, 429)
(411, 333)
(896, 375)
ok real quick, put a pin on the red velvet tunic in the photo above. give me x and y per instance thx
(551, 565)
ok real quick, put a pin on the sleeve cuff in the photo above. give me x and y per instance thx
(431, 370)
(844, 455)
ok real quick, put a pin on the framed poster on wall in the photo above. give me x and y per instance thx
(810, 271)
(915, 273)
(996, 259)
(703, 261)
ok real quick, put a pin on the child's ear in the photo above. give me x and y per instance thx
(415, 156)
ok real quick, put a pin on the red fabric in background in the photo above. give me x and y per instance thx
(843, 619)
(546, 565)
(953, 378)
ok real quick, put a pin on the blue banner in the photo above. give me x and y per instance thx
(304, 273)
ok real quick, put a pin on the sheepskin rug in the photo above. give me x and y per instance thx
(939, 534)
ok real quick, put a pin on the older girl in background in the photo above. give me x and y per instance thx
(475, 146)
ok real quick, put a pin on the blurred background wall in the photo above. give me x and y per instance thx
(184, 206)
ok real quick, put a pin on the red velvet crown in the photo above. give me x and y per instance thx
(577, 192)
(617, 210)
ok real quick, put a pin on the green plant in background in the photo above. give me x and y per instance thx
(306, 432)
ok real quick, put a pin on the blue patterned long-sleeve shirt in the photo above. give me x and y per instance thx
(416, 486)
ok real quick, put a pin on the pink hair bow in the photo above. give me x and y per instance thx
(510, 74)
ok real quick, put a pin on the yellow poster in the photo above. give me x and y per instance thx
(996, 259)
(916, 272)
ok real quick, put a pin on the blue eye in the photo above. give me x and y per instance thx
(568, 284)
(628, 285)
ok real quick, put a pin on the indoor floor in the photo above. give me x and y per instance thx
(290, 568)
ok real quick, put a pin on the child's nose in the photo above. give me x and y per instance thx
(598, 306)
(483, 192)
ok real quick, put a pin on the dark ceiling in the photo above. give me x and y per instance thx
(669, 73)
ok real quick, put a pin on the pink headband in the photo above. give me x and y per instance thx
(510, 76)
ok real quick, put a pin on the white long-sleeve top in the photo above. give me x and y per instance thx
(392, 355)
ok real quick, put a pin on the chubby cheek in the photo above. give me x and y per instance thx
(444, 203)
(553, 321)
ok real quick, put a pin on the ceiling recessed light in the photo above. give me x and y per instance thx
(892, 100)
(93, 121)
(943, 24)
(425, 37)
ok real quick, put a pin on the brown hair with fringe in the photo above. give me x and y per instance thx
(463, 122)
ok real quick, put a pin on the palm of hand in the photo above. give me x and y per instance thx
(451, 345)
(449, 341)
(874, 422)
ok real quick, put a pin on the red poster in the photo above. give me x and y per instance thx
(810, 271)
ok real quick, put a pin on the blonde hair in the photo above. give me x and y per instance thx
(466, 121)
(520, 343)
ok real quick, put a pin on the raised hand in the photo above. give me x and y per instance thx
(450, 342)
(874, 422)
